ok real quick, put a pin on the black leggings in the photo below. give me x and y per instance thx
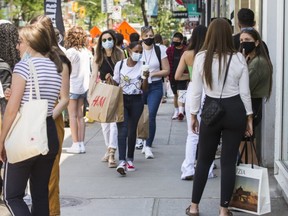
(231, 127)
(37, 170)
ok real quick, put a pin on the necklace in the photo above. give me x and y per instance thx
(147, 62)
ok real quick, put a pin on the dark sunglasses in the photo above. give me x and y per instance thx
(109, 39)
(144, 28)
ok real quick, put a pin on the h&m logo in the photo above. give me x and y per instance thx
(98, 101)
(240, 171)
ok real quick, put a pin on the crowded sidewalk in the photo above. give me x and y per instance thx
(90, 188)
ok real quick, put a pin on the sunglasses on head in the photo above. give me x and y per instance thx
(248, 29)
(144, 28)
(109, 39)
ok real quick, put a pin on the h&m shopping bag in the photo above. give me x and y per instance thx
(251, 192)
(143, 124)
(106, 104)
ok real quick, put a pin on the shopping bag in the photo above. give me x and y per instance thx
(182, 96)
(106, 104)
(27, 138)
(143, 124)
(248, 147)
(251, 192)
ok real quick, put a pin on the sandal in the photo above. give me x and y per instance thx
(191, 214)
(229, 213)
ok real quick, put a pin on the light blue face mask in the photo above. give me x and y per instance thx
(136, 56)
(108, 44)
(26, 56)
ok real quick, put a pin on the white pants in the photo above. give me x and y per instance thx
(110, 134)
(187, 167)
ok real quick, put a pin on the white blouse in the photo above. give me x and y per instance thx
(129, 78)
(237, 81)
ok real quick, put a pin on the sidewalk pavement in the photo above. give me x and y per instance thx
(90, 188)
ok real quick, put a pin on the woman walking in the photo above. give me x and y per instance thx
(106, 56)
(127, 74)
(156, 58)
(218, 60)
(35, 47)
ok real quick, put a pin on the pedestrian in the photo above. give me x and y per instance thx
(78, 55)
(210, 68)
(134, 37)
(245, 20)
(9, 56)
(156, 59)
(127, 74)
(260, 70)
(174, 53)
(34, 46)
(106, 56)
(186, 62)
(61, 105)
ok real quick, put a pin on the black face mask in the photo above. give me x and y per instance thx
(248, 46)
(148, 41)
(176, 43)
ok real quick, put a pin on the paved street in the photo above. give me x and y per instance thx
(90, 188)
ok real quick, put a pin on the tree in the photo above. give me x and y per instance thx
(25, 9)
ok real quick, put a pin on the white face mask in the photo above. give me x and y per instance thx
(136, 56)
(108, 44)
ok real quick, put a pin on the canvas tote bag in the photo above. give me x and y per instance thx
(27, 136)
(251, 192)
(143, 124)
(106, 103)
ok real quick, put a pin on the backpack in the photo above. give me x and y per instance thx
(5, 74)
(158, 54)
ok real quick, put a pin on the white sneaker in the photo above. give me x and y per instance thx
(130, 166)
(175, 115)
(139, 143)
(121, 168)
(74, 149)
(143, 148)
(148, 153)
(82, 148)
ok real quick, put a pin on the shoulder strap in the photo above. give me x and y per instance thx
(121, 64)
(226, 72)
(5, 66)
(158, 54)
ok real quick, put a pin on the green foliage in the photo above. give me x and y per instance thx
(26, 9)
(164, 23)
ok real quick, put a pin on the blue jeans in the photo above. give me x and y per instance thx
(133, 108)
(152, 97)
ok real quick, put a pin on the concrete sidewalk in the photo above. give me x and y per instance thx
(90, 188)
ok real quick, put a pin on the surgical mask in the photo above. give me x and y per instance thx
(25, 56)
(248, 47)
(148, 41)
(136, 56)
(108, 44)
(176, 43)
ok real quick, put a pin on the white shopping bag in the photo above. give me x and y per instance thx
(251, 192)
(182, 95)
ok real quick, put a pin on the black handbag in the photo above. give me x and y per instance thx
(214, 111)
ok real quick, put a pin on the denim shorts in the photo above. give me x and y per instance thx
(73, 96)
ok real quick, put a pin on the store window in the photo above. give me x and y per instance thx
(284, 149)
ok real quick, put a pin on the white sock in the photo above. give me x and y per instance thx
(176, 110)
(181, 109)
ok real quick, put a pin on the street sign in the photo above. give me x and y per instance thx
(179, 14)
(192, 10)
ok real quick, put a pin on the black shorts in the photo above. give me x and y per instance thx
(178, 85)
